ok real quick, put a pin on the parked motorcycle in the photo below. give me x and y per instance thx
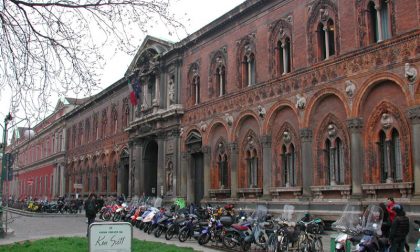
(371, 229)
(261, 230)
(349, 228)
(286, 234)
(417, 248)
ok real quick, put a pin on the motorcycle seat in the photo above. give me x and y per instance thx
(239, 227)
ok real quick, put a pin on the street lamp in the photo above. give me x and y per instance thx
(7, 119)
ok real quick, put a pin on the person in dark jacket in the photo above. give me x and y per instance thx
(100, 203)
(90, 209)
(399, 230)
(386, 222)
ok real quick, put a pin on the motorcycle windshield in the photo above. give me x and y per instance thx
(260, 213)
(158, 202)
(350, 220)
(372, 219)
(288, 213)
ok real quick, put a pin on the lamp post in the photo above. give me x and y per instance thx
(7, 119)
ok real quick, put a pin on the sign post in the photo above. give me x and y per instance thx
(110, 236)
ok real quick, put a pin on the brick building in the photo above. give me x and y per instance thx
(97, 151)
(39, 155)
(304, 101)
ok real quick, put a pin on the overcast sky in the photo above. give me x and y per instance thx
(199, 13)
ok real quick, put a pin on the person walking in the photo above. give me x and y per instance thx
(399, 230)
(90, 209)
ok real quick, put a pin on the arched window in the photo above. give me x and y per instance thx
(81, 131)
(384, 20)
(223, 171)
(87, 130)
(326, 39)
(383, 156)
(248, 69)
(339, 161)
(321, 41)
(373, 23)
(327, 158)
(221, 80)
(390, 157)
(289, 166)
(252, 168)
(395, 152)
(330, 38)
(334, 161)
(284, 59)
(104, 122)
(114, 120)
(196, 89)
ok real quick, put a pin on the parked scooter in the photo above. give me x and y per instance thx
(371, 228)
(349, 228)
(417, 248)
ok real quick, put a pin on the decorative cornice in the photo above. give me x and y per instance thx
(355, 123)
(306, 135)
(413, 115)
(266, 141)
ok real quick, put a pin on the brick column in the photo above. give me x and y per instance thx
(206, 171)
(183, 174)
(161, 175)
(266, 155)
(138, 167)
(307, 166)
(355, 126)
(413, 115)
(233, 170)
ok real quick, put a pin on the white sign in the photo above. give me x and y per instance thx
(78, 186)
(110, 236)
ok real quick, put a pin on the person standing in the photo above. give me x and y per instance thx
(389, 207)
(90, 209)
(399, 230)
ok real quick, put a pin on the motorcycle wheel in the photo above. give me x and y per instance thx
(146, 227)
(229, 240)
(107, 216)
(203, 239)
(317, 245)
(183, 235)
(272, 244)
(140, 224)
(170, 232)
(158, 232)
(151, 228)
(245, 246)
(116, 217)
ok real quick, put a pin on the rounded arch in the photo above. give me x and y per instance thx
(242, 117)
(317, 97)
(280, 105)
(370, 83)
(218, 122)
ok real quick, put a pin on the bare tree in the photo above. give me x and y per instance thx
(49, 47)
